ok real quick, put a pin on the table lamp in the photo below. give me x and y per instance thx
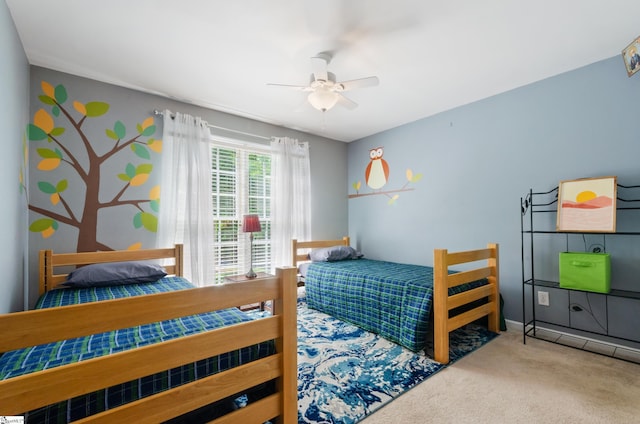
(251, 224)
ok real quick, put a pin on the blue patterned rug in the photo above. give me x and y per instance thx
(346, 373)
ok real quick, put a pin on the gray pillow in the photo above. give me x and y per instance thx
(114, 273)
(334, 253)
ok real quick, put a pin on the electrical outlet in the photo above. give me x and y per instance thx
(543, 298)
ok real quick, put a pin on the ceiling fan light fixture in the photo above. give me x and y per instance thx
(323, 99)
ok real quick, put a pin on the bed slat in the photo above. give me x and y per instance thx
(469, 296)
(456, 258)
(464, 277)
(469, 316)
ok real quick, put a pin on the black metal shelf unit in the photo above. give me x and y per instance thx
(544, 204)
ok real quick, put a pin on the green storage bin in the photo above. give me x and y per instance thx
(585, 271)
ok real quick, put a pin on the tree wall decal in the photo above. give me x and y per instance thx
(55, 155)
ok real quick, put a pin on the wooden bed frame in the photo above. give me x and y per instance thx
(30, 328)
(443, 321)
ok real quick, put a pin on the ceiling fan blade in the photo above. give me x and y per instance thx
(358, 83)
(294, 87)
(319, 67)
(346, 102)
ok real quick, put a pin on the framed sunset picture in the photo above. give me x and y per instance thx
(587, 205)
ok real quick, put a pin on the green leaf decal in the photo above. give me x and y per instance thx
(154, 205)
(35, 133)
(62, 186)
(48, 153)
(144, 168)
(46, 187)
(120, 129)
(137, 220)
(57, 131)
(111, 134)
(150, 222)
(61, 94)
(140, 151)
(416, 178)
(130, 170)
(139, 128)
(124, 177)
(46, 100)
(149, 130)
(55, 111)
(42, 224)
(96, 109)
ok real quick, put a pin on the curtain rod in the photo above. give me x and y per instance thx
(157, 112)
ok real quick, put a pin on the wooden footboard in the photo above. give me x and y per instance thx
(30, 328)
(443, 303)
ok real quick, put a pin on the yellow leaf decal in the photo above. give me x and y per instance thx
(135, 246)
(139, 179)
(80, 107)
(48, 232)
(156, 146)
(154, 193)
(55, 198)
(409, 174)
(147, 122)
(43, 120)
(48, 164)
(48, 89)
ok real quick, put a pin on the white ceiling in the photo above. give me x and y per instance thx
(430, 55)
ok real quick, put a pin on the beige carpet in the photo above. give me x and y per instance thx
(506, 381)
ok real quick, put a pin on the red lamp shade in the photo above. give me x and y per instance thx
(251, 224)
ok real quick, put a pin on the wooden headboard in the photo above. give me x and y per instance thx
(299, 249)
(49, 261)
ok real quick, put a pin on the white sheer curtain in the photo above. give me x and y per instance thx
(290, 196)
(186, 211)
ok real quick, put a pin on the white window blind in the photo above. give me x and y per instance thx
(241, 184)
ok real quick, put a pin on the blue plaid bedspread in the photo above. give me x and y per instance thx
(387, 298)
(50, 355)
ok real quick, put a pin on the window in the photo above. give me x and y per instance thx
(241, 184)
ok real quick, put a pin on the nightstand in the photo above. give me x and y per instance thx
(243, 279)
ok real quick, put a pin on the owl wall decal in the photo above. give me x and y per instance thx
(377, 172)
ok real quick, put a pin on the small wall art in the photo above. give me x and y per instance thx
(631, 56)
(587, 205)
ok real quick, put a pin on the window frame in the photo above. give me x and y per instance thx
(245, 197)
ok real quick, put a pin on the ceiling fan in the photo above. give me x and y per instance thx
(324, 91)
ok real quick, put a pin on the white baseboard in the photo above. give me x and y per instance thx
(517, 326)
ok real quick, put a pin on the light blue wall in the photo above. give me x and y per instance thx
(479, 159)
(328, 189)
(14, 86)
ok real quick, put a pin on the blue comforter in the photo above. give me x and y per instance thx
(387, 298)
